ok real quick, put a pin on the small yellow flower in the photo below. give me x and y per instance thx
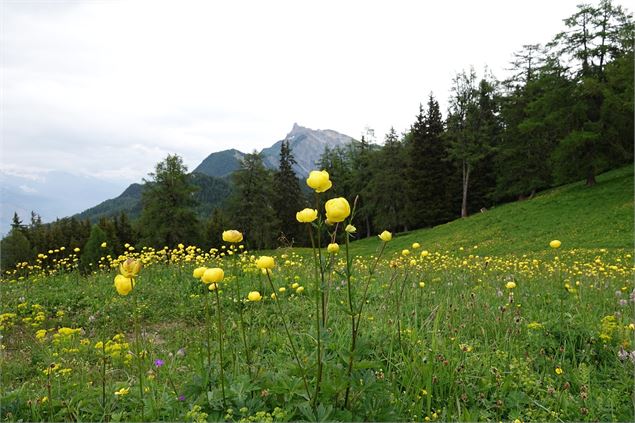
(282, 289)
(337, 209)
(295, 285)
(306, 216)
(212, 287)
(555, 244)
(123, 285)
(198, 272)
(350, 229)
(405, 252)
(299, 290)
(232, 236)
(510, 285)
(385, 236)
(254, 296)
(559, 371)
(333, 248)
(265, 262)
(424, 253)
(422, 284)
(416, 246)
(213, 275)
(319, 180)
(103, 245)
(76, 249)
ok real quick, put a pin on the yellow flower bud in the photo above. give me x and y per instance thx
(213, 275)
(198, 272)
(299, 290)
(130, 268)
(385, 236)
(416, 246)
(405, 252)
(319, 180)
(555, 244)
(232, 236)
(333, 248)
(510, 285)
(350, 229)
(254, 296)
(337, 209)
(306, 216)
(123, 285)
(103, 245)
(265, 262)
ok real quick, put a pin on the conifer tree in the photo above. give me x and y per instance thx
(250, 205)
(288, 198)
(15, 248)
(93, 251)
(168, 216)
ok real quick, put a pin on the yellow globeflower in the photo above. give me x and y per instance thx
(555, 244)
(422, 284)
(76, 249)
(232, 236)
(198, 272)
(333, 248)
(424, 253)
(306, 216)
(405, 252)
(265, 262)
(123, 285)
(350, 229)
(122, 392)
(103, 245)
(510, 285)
(559, 370)
(416, 246)
(254, 296)
(337, 209)
(299, 290)
(319, 180)
(130, 268)
(213, 275)
(385, 236)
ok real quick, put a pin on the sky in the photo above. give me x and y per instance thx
(109, 88)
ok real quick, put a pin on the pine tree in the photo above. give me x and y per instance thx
(15, 248)
(387, 187)
(93, 251)
(250, 205)
(288, 198)
(361, 177)
(426, 165)
(168, 216)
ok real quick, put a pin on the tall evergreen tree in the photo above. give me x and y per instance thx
(387, 187)
(15, 248)
(426, 166)
(250, 205)
(288, 198)
(168, 216)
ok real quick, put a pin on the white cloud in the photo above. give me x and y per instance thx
(109, 88)
(27, 189)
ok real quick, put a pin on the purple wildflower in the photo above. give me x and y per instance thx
(158, 362)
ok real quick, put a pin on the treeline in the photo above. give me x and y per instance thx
(565, 114)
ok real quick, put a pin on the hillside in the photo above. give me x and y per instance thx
(581, 217)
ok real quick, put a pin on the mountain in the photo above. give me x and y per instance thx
(221, 163)
(212, 192)
(306, 144)
(211, 176)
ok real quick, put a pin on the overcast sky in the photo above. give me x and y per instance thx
(109, 88)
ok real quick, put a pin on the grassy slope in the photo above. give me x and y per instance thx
(580, 216)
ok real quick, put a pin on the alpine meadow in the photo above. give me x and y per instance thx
(478, 266)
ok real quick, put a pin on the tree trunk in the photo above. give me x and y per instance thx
(533, 193)
(590, 180)
(466, 180)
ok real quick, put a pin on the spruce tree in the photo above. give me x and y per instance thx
(93, 251)
(15, 248)
(250, 205)
(288, 198)
(168, 216)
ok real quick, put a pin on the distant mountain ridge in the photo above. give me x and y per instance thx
(307, 146)
(211, 176)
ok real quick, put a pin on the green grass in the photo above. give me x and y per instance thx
(581, 217)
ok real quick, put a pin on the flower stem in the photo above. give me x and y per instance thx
(139, 353)
(220, 346)
(318, 322)
(286, 328)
